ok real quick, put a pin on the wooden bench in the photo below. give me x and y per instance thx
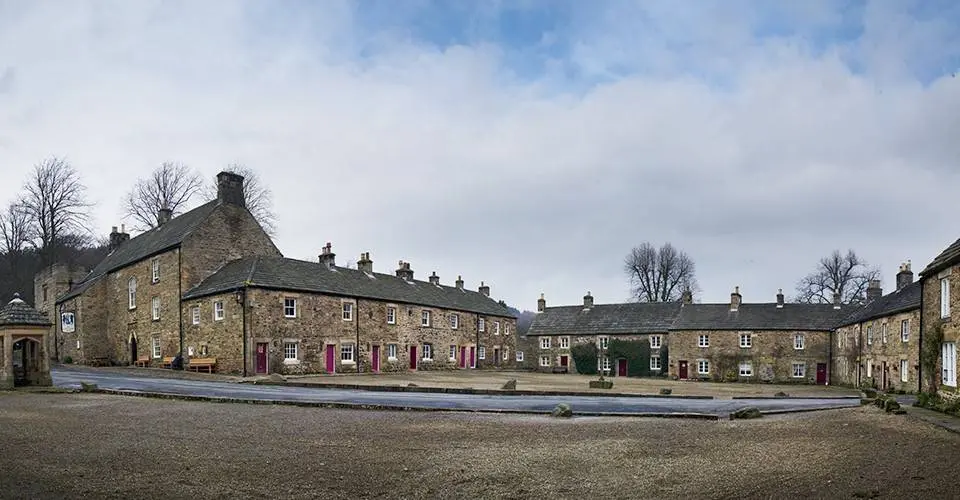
(167, 362)
(559, 369)
(142, 361)
(202, 364)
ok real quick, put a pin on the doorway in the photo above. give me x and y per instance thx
(682, 369)
(463, 357)
(473, 357)
(26, 362)
(375, 359)
(496, 356)
(133, 349)
(330, 359)
(621, 367)
(564, 361)
(413, 357)
(822, 374)
(262, 357)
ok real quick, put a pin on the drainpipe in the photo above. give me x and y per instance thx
(357, 315)
(476, 354)
(832, 338)
(57, 323)
(180, 300)
(243, 328)
(920, 344)
(859, 351)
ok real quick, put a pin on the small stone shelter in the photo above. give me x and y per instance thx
(23, 341)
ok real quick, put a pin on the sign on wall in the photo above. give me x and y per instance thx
(66, 322)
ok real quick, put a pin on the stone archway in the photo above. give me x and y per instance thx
(27, 362)
(23, 351)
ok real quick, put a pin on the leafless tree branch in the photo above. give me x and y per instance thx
(170, 186)
(846, 274)
(15, 231)
(55, 200)
(258, 197)
(659, 275)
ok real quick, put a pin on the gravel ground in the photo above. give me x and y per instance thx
(99, 446)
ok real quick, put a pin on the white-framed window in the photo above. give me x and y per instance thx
(904, 370)
(132, 293)
(481, 353)
(869, 368)
(506, 354)
(428, 352)
(703, 341)
(604, 342)
(798, 341)
(78, 343)
(944, 297)
(746, 340)
(905, 330)
(703, 367)
(195, 314)
(347, 311)
(218, 310)
(869, 334)
(290, 352)
(347, 353)
(654, 362)
(656, 341)
(544, 360)
(506, 328)
(425, 318)
(453, 352)
(564, 342)
(454, 321)
(496, 328)
(391, 315)
(156, 347)
(800, 370)
(606, 364)
(391, 351)
(746, 369)
(948, 357)
(155, 308)
(519, 356)
(482, 324)
(289, 307)
(883, 333)
(155, 270)
(544, 342)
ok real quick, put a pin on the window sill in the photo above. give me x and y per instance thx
(392, 359)
(427, 360)
(291, 361)
(342, 362)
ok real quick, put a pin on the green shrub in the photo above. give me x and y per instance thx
(68, 360)
(585, 358)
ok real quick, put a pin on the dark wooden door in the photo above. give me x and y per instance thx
(473, 357)
(133, 350)
(496, 357)
(331, 358)
(621, 368)
(375, 359)
(564, 360)
(413, 357)
(463, 357)
(682, 370)
(821, 373)
(262, 357)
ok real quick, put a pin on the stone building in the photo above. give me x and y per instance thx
(210, 285)
(878, 345)
(770, 342)
(23, 357)
(49, 284)
(940, 321)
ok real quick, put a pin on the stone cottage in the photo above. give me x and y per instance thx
(940, 321)
(211, 286)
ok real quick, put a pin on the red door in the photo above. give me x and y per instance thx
(331, 360)
(821, 373)
(473, 358)
(682, 370)
(463, 357)
(621, 368)
(413, 357)
(376, 359)
(564, 360)
(261, 357)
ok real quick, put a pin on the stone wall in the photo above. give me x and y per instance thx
(771, 355)
(846, 357)
(319, 323)
(949, 326)
(49, 284)
(556, 352)
(885, 357)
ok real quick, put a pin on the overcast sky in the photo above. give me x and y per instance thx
(528, 144)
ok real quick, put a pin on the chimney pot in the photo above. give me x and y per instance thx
(779, 297)
(686, 297)
(404, 271)
(230, 189)
(735, 299)
(163, 216)
(873, 290)
(541, 303)
(836, 300)
(365, 264)
(460, 282)
(327, 257)
(905, 276)
(587, 301)
(434, 279)
(484, 289)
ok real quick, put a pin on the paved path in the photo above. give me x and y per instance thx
(539, 404)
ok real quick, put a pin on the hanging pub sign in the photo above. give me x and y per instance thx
(66, 322)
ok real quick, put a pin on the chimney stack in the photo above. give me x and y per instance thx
(873, 290)
(230, 189)
(460, 282)
(484, 289)
(434, 279)
(587, 301)
(836, 300)
(404, 271)
(779, 298)
(117, 238)
(905, 276)
(163, 216)
(686, 297)
(327, 257)
(735, 299)
(365, 264)
(541, 304)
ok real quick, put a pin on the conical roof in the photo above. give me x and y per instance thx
(19, 313)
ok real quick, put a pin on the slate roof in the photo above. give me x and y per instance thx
(946, 258)
(905, 299)
(763, 316)
(605, 319)
(279, 273)
(19, 313)
(152, 242)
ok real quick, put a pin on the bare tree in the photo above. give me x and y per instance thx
(170, 186)
(56, 203)
(847, 275)
(14, 229)
(258, 197)
(659, 275)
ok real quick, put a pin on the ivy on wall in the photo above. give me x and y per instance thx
(585, 357)
(930, 355)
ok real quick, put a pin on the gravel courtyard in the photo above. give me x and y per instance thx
(76, 445)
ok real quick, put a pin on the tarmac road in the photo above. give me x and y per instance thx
(70, 378)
